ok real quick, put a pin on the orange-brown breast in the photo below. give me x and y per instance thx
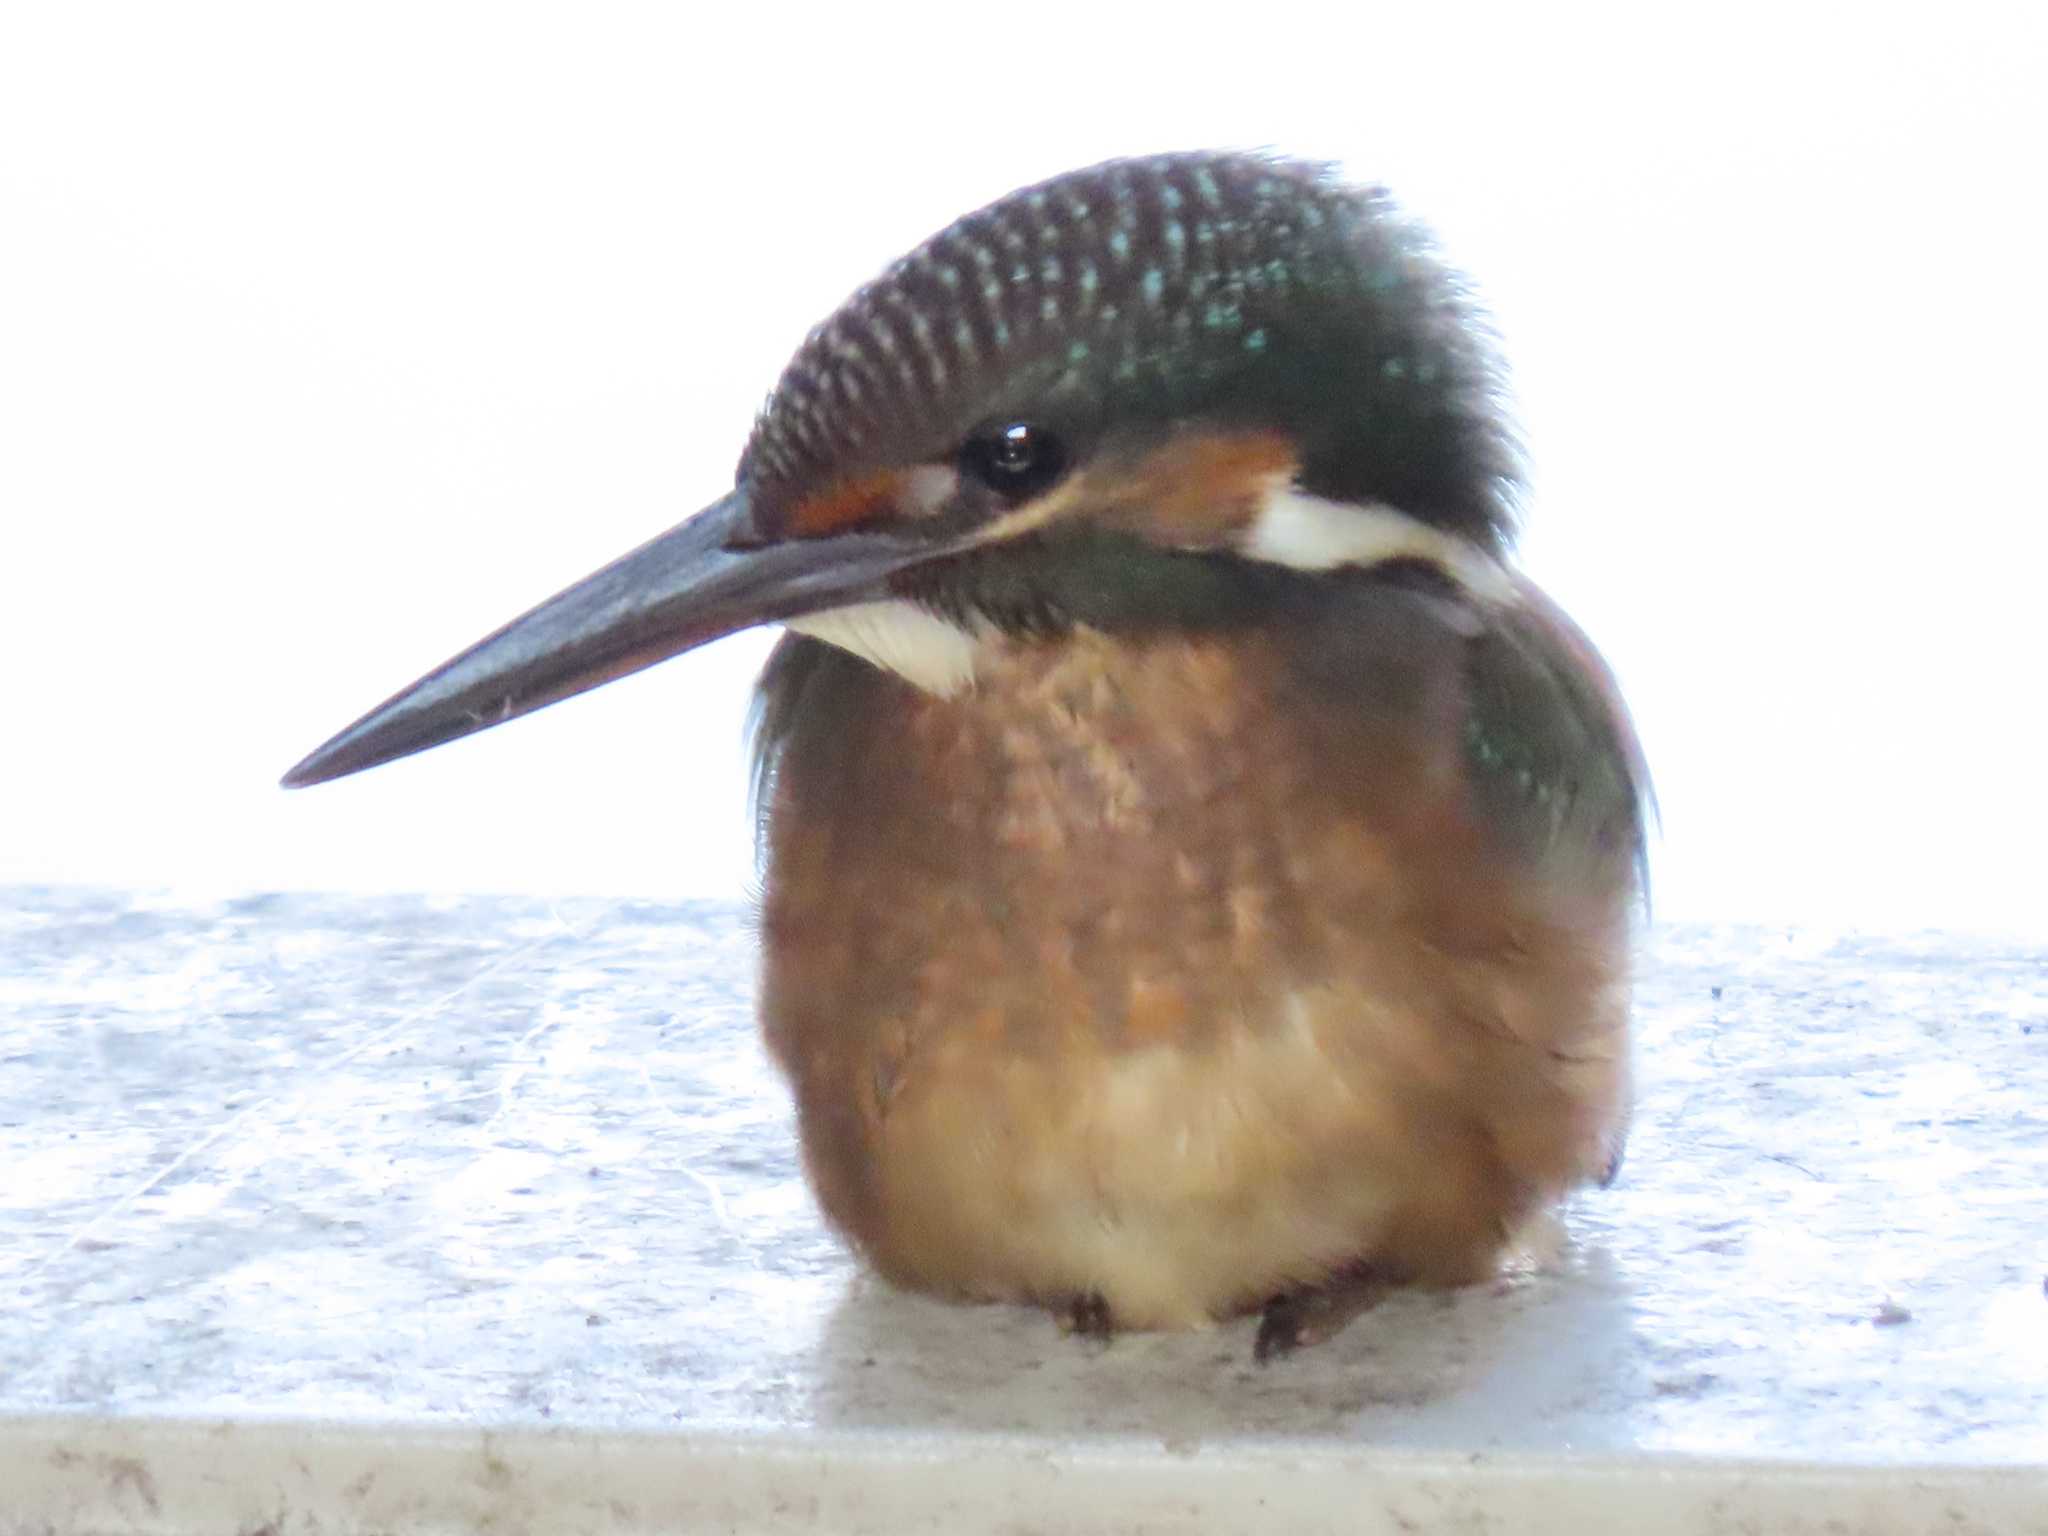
(1142, 970)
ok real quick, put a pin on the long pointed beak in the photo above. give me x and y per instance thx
(698, 581)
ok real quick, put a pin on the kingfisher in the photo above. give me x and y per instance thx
(1198, 869)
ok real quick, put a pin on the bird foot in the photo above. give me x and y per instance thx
(1295, 1319)
(1087, 1316)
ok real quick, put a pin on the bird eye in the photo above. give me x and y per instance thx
(1015, 461)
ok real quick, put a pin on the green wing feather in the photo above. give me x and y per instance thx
(1554, 754)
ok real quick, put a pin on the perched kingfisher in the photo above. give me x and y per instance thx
(1199, 870)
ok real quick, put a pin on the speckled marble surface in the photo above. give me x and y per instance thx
(451, 1164)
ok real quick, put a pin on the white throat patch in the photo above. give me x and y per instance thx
(925, 650)
(1310, 533)
(1293, 528)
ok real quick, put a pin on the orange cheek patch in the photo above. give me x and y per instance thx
(853, 502)
(1199, 490)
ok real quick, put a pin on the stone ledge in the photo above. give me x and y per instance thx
(327, 1180)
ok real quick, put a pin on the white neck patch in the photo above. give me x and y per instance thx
(1310, 533)
(925, 650)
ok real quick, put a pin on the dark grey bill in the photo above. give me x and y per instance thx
(693, 584)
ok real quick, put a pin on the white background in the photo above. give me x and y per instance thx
(330, 337)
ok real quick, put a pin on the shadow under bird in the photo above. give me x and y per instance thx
(1199, 869)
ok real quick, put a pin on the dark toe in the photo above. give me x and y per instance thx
(1088, 1316)
(1281, 1327)
(1294, 1319)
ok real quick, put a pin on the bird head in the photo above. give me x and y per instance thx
(1149, 394)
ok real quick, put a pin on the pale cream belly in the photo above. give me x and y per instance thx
(1185, 1185)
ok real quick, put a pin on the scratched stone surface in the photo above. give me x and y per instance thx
(505, 1162)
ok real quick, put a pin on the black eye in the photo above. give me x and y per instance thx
(1016, 461)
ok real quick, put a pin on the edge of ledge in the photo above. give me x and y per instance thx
(269, 1477)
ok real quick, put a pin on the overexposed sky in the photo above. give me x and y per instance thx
(332, 337)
